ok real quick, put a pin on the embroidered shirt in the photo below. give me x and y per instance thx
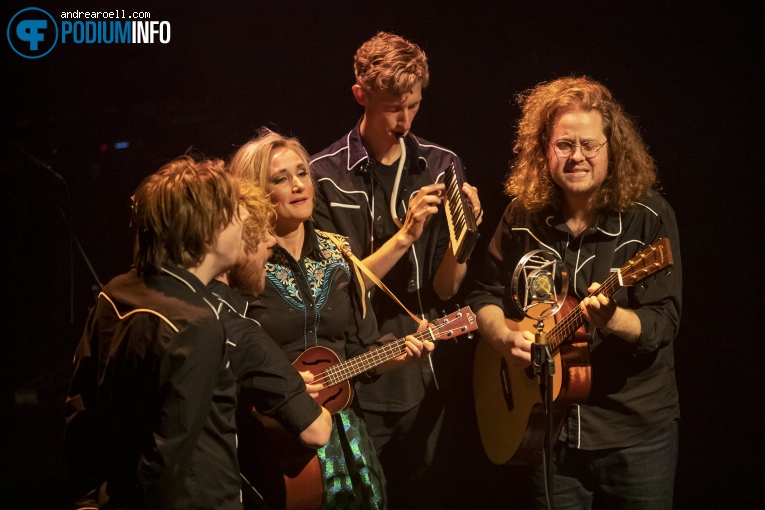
(314, 301)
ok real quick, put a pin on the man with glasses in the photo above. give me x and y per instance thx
(584, 189)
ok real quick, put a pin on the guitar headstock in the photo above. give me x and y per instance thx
(451, 326)
(649, 261)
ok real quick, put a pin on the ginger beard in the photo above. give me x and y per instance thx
(248, 276)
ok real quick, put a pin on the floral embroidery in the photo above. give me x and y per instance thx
(319, 273)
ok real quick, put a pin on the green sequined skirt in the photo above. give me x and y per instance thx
(353, 476)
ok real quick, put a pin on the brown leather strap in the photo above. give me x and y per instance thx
(358, 265)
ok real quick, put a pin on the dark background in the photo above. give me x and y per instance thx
(690, 74)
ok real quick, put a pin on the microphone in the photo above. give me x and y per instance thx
(539, 285)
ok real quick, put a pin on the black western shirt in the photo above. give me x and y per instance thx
(353, 198)
(150, 410)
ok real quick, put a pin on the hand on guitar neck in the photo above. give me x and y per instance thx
(328, 378)
(602, 313)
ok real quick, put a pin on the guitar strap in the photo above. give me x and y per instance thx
(359, 267)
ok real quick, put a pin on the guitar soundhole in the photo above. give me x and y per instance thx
(504, 378)
(333, 396)
(316, 362)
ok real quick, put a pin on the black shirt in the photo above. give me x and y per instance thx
(353, 199)
(266, 379)
(150, 410)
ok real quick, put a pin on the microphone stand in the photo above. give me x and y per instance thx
(544, 367)
(541, 279)
(72, 236)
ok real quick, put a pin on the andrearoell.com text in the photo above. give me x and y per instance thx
(113, 14)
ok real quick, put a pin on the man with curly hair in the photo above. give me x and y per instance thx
(583, 187)
(266, 380)
(381, 186)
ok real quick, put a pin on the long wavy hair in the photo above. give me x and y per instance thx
(631, 171)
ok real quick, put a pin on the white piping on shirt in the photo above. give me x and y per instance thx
(138, 310)
(179, 278)
(183, 280)
(537, 240)
(346, 206)
(347, 192)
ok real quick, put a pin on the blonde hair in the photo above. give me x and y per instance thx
(631, 171)
(262, 214)
(390, 63)
(253, 159)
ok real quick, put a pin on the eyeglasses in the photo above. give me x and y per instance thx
(590, 148)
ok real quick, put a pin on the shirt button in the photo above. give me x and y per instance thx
(378, 218)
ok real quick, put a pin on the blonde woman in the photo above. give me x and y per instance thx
(311, 298)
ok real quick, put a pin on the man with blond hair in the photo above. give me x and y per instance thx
(382, 187)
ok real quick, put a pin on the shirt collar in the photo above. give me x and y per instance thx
(228, 296)
(183, 275)
(359, 159)
(609, 223)
(310, 245)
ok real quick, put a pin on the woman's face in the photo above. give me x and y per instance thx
(290, 187)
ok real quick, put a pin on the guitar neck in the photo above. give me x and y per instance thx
(455, 324)
(348, 369)
(575, 319)
(654, 258)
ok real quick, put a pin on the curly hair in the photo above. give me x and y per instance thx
(253, 159)
(179, 210)
(631, 170)
(262, 214)
(390, 63)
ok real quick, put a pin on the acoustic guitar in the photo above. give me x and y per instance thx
(282, 473)
(507, 399)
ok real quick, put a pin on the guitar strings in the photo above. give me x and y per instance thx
(574, 320)
(354, 366)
